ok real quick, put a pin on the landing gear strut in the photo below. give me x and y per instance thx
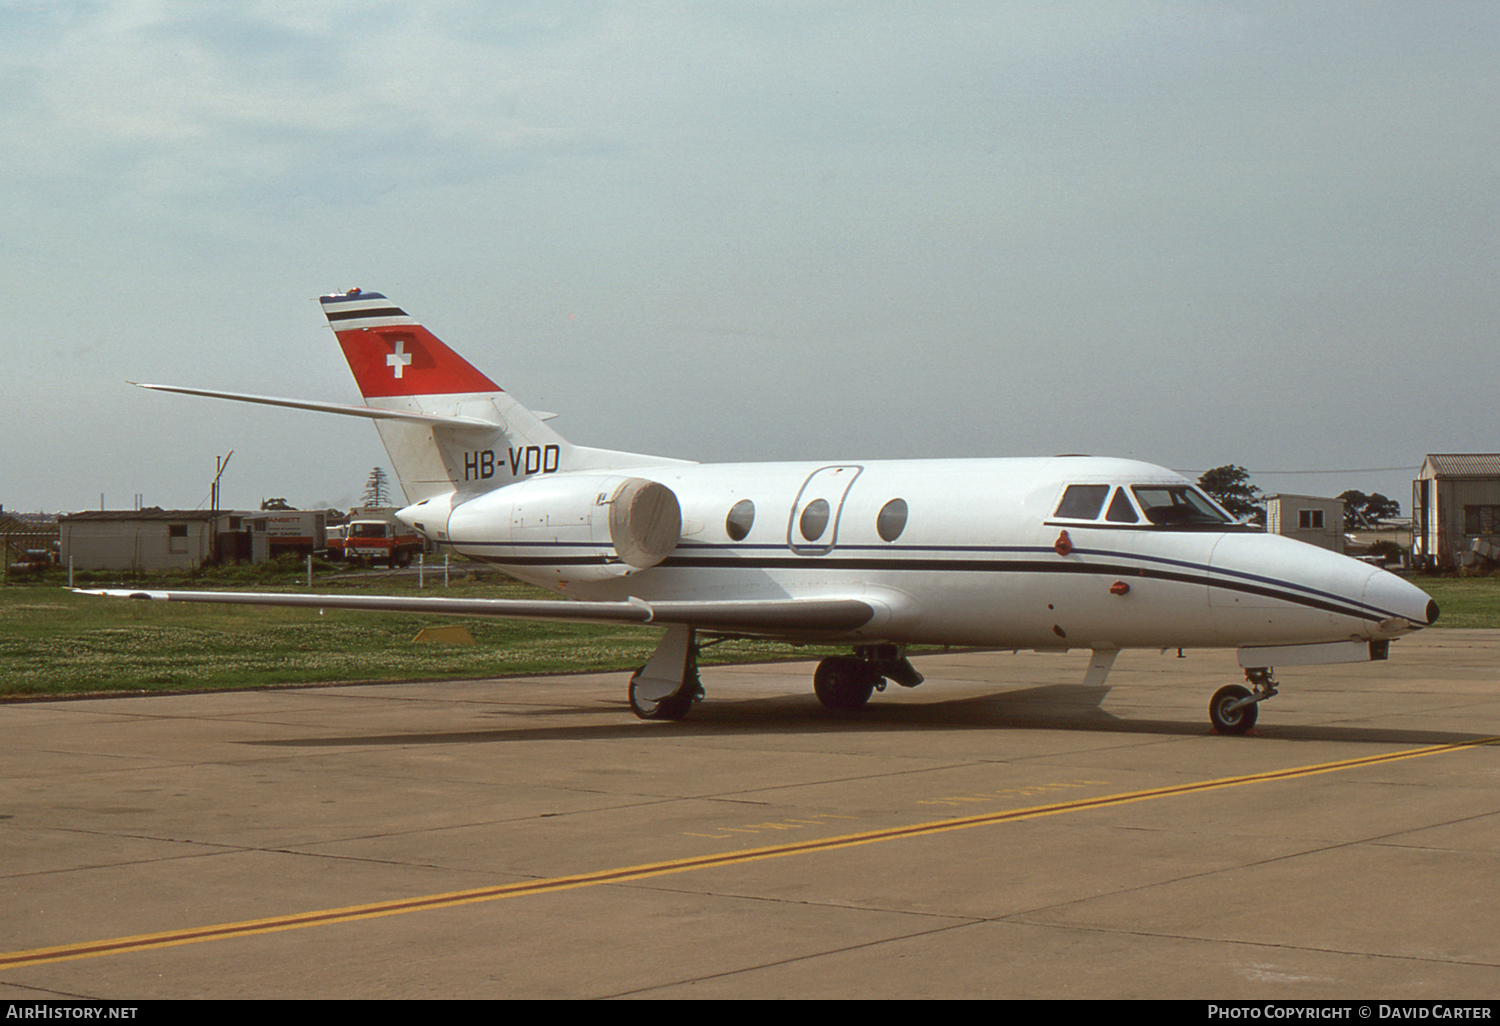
(667, 686)
(1234, 709)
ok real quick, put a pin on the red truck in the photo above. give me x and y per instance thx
(380, 541)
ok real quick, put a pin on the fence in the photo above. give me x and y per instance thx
(17, 546)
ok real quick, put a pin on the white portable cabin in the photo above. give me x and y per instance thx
(142, 539)
(1314, 519)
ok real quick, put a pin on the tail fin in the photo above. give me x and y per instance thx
(401, 366)
(391, 355)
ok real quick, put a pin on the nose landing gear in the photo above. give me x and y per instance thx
(1234, 709)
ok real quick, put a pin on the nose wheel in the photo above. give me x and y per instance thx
(1235, 708)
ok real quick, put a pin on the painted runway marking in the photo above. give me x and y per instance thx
(1008, 792)
(627, 874)
(755, 828)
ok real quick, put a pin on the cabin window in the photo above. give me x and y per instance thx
(814, 519)
(1082, 502)
(892, 520)
(1168, 505)
(1310, 519)
(177, 538)
(741, 518)
(1121, 509)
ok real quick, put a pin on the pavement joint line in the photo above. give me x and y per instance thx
(628, 874)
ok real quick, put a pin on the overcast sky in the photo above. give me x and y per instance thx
(1193, 232)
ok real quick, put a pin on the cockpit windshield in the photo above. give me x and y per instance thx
(1178, 505)
(1167, 506)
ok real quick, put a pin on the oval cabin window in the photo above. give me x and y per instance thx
(892, 520)
(741, 518)
(814, 520)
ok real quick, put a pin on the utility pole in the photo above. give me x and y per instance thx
(213, 492)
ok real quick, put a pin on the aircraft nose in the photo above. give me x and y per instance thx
(1388, 594)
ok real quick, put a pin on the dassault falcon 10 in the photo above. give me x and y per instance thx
(1049, 554)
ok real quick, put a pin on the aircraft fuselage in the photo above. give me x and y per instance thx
(964, 551)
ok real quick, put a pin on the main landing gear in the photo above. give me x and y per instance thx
(667, 686)
(845, 683)
(1234, 709)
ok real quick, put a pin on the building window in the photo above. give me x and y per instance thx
(1310, 519)
(1482, 520)
(177, 538)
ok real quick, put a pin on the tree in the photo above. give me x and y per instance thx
(1230, 487)
(276, 504)
(1363, 511)
(377, 488)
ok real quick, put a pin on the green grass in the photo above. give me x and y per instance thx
(1465, 601)
(53, 642)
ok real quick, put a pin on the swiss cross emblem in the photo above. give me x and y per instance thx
(400, 359)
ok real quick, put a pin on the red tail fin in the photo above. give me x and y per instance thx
(392, 355)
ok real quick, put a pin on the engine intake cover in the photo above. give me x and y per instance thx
(645, 522)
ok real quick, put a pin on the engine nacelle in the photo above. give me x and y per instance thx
(559, 528)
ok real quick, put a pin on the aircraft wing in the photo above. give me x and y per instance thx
(765, 617)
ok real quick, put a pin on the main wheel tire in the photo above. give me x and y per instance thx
(844, 684)
(1238, 721)
(673, 707)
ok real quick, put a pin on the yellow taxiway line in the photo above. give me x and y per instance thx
(350, 913)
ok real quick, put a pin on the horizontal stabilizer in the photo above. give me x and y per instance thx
(779, 616)
(368, 412)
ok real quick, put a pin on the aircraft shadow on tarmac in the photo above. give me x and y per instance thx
(1046, 707)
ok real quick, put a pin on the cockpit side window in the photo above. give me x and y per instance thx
(1082, 502)
(1170, 505)
(1121, 510)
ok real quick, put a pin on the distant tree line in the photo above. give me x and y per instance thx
(1230, 487)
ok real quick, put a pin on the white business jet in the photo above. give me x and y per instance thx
(1048, 554)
